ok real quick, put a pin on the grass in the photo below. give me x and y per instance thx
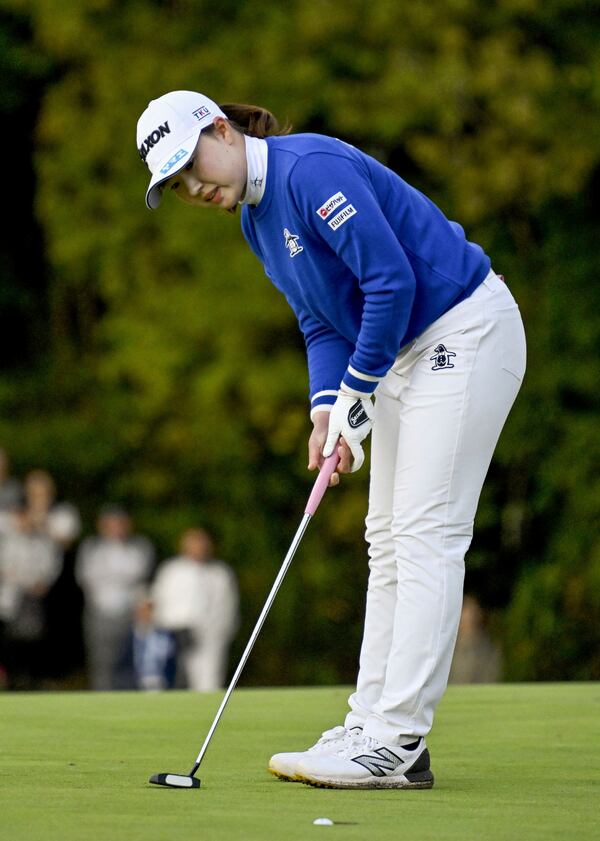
(511, 762)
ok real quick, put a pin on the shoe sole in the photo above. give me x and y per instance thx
(418, 780)
(284, 777)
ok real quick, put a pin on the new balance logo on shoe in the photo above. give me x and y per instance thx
(380, 762)
(383, 761)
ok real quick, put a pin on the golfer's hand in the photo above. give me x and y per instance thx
(316, 442)
(351, 418)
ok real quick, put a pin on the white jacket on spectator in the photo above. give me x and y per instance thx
(110, 569)
(201, 598)
(28, 562)
(110, 573)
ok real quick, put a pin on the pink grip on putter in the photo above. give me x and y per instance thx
(322, 482)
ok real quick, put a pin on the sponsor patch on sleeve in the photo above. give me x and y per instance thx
(342, 217)
(331, 204)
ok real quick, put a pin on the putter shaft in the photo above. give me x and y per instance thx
(252, 640)
(319, 489)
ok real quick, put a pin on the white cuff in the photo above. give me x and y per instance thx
(345, 389)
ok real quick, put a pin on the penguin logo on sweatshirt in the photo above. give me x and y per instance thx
(441, 358)
(291, 243)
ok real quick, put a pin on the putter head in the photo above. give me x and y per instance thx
(174, 781)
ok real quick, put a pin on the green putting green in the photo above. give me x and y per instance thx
(511, 762)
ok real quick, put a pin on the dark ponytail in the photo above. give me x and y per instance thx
(254, 120)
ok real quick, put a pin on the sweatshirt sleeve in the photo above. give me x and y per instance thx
(327, 351)
(336, 200)
(328, 354)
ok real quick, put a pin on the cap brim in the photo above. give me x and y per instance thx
(169, 167)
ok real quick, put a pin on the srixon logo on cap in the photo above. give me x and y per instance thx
(153, 139)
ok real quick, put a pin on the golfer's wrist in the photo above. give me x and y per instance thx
(357, 384)
(320, 418)
(322, 401)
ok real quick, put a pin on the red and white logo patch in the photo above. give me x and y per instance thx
(330, 205)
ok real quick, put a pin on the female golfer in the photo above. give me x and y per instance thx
(393, 300)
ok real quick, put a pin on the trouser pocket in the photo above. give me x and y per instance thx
(512, 344)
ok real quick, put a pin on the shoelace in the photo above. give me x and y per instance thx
(358, 743)
(337, 734)
(350, 745)
(334, 734)
(362, 743)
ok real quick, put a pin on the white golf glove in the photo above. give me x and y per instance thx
(352, 418)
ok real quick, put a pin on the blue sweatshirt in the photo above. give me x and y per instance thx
(366, 261)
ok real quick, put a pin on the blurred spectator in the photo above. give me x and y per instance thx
(149, 653)
(10, 491)
(476, 658)
(59, 520)
(29, 564)
(110, 569)
(196, 597)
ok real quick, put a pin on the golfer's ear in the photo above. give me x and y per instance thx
(222, 129)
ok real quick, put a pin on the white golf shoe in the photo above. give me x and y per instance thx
(367, 763)
(283, 765)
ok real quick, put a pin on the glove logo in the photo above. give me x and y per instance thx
(357, 415)
(441, 357)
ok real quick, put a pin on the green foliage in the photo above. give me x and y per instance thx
(175, 377)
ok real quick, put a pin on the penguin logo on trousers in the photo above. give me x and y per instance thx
(441, 358)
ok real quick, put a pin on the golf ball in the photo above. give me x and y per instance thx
(322, 822)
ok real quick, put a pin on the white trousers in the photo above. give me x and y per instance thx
(438, 416)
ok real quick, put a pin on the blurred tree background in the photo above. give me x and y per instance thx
(147, 360)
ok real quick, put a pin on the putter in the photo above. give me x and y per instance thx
(190, 780)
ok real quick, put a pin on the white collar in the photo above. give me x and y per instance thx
(256, 158)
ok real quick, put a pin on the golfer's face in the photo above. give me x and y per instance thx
(216, 175)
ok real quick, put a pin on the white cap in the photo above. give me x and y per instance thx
(167, 134)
